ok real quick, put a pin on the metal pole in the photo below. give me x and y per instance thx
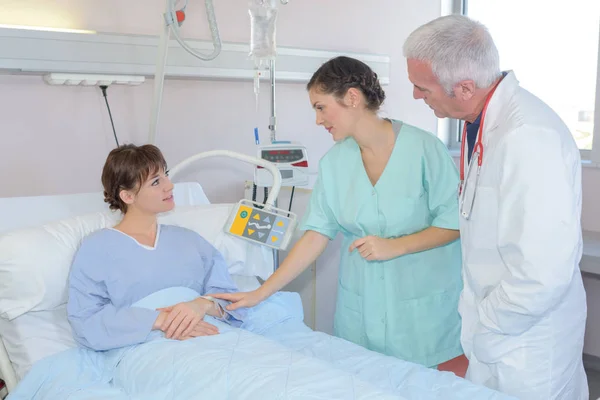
(273, 118)
(273, 129)
(159, 77)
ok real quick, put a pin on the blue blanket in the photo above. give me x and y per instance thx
(273, 356)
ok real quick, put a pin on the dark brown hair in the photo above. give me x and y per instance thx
(339, 74)
(126, 168)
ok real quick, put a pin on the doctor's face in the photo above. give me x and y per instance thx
(331, 114)
(427, 87)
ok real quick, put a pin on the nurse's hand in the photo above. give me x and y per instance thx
(240, 299)
(374, 248)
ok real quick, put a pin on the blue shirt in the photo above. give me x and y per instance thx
(472, 129)
(111, 271)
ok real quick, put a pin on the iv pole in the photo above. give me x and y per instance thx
(172, 21)
(273, 129)
(272, 118)
(273, 125)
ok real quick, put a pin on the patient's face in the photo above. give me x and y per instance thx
(155, 194)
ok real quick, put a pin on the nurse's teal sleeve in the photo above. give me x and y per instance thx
(440, 180)
(319, 217)
(97, 324)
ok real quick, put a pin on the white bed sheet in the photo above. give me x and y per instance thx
(34, 336)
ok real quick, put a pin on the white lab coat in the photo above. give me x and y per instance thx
(523, 306)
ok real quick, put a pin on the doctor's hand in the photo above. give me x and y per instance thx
(240, 299)
(374, 248)
(185, 319)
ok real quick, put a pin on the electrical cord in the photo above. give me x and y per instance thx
(291, 199)
(103, 88)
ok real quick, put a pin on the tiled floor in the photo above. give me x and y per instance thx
(594, 383)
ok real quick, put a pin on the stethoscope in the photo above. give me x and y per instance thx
(466, 202)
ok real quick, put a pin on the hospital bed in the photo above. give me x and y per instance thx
(279, 358)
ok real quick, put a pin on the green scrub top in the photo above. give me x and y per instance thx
(405, 307)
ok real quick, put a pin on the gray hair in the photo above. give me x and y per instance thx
(458, 48)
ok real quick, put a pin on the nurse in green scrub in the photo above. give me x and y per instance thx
(391, 190)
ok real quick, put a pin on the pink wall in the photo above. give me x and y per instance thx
(55, 139)
(39, 122)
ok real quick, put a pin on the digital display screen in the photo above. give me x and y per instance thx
(282, 156)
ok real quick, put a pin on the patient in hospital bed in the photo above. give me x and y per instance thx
(135, 287)
(116, 267)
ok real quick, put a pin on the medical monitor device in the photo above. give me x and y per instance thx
(290, 158)
(268, 226)
(259, 223)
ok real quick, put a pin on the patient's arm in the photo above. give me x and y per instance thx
(218, 280)
(99, 325)
(96, 322)
(214, 308)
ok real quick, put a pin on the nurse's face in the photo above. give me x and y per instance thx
(426, 86)
(332, 114)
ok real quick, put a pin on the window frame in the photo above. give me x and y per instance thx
(451, 129)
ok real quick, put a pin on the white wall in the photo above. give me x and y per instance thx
(591, 222)
(591, 197)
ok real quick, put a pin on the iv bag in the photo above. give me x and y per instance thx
(263, 16)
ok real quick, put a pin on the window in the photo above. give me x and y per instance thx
(553, 47)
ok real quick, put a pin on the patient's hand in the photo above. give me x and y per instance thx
(184, 320)
(202, 329)
(159, 320)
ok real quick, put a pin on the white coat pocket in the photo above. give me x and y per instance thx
(490, 347)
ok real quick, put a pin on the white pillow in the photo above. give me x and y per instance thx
(35, 335)
(35, 262)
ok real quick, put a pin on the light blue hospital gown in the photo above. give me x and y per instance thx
(404, 307)
(111, 271)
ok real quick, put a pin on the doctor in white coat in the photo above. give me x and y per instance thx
(523, 306)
